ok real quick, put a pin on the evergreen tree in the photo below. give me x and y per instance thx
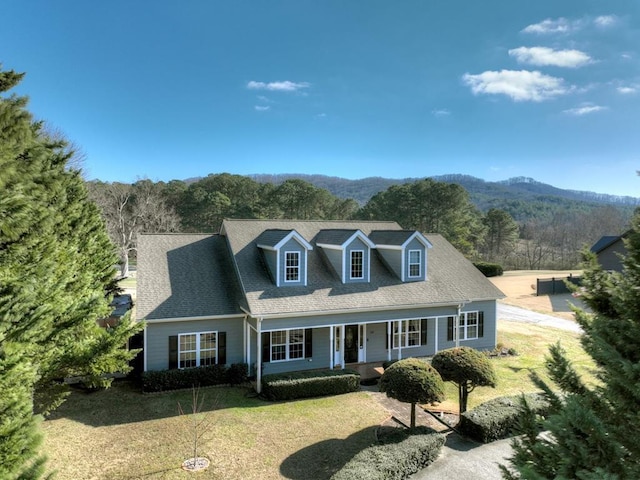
(592, 433)
(55, 262)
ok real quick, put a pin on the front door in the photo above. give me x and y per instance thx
(351, 343)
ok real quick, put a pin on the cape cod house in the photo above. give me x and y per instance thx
(285, 295)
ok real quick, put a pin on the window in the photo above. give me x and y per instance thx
(292, 267)
(287, 345)
(415, 263)
(470, 325)
(357, 258)
(413, 334)
(197, 349)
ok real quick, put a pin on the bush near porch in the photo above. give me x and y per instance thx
(307, 384)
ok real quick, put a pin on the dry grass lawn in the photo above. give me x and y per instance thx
(122, 434)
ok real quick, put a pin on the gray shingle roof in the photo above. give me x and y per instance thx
(185, 275)
(451, 278)
(272, 237)
(390, 237)
(334, 236)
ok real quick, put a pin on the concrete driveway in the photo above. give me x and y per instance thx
(461, 458)
(509, 313)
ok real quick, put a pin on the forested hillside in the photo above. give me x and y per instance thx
(520, 223)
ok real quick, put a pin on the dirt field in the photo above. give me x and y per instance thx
(519, 286)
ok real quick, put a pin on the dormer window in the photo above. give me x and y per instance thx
(357, 264)
(285, 254)
(404, 252)
(348, 252)
(415, 263)
(292, 267)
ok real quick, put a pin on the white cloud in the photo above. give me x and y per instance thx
(584, 109)
(559, 25)
(284, 86)
(627, 90)
(441, 112)
(520, 86)
(542, 56)
(261, 108)
(604, 21)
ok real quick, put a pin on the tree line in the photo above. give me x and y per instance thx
(550, 241)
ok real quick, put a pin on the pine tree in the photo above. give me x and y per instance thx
(55, 262)
(592, 433)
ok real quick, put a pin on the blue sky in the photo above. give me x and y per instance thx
(496, 89)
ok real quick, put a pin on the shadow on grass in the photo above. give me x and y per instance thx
(123, 403)
(323, 459)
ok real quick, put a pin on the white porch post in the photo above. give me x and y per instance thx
(436, 343)
(247, 341)
(332, 346)
(342, 329)
(259, 355)
(389, 341)
(400, 340)
(456, 327)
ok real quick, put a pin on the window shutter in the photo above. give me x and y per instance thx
(480, 324)
(423, 331)
(308, 343)
(450, 328)
(266, 347)
(386, 337)
(222, 348)
(173, 352)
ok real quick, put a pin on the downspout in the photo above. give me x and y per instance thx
(332, 346)
(259, 354)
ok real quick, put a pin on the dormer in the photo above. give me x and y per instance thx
(285, 253)
(404, 252)
(348, 252)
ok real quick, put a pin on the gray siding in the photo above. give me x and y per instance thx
(270, 258)
(487, 342)
(334, 256)
(609, 258)
(392, 259)
(157, 339)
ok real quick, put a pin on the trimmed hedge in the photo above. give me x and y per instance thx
(498, 418)
(175, 379)
(317, 383)
(393, 461)
(489, 269)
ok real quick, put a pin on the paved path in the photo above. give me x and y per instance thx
(517, 314)
(461, 458)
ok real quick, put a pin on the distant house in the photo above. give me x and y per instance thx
(295, 295)
(608, 250)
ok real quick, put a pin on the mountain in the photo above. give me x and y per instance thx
(522, 197)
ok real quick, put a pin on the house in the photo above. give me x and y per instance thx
(609, 249)
(285, 295)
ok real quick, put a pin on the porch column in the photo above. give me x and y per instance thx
(332, 346)
(400, 340)
(437, 319)
(456, 327)
(342, 329)
(259, 355)
(389, 341)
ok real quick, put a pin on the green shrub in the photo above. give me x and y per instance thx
(174, 379)
(489, 269)
(317, 383)
(387, 363)
(237, 373)
(393, 461)
(498, 418)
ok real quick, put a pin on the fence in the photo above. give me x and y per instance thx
(551, 286)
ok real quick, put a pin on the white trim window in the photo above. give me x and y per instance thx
(292, 266)
(287, 345)
(415, 263)
(410, 336)
(197, 349)
(357, 264)
(468, 326)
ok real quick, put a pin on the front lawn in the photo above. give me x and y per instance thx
(120, 433)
